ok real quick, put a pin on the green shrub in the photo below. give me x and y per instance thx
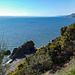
(63, 29)
(41, 49)
(69, 35)
(43, 66)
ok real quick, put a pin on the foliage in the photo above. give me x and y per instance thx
(41, 67)
(15, 73)
(10, 73)
(63, 29)
(39, 50)
(3, 47)
(20, 66)
(69, 35)
(54, 48)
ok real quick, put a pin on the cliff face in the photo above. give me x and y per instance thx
(22, 50)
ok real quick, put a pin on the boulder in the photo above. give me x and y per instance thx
(23, 49)
(7, 52)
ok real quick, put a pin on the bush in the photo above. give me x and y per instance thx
(63, 29)
(15, 73)
(69, 35)
(10, 73)
(41, 49)
(20, 66)
(53, 49)
(43, 66)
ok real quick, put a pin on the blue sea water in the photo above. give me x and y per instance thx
(18, 30)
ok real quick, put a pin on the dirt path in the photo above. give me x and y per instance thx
(12, 66)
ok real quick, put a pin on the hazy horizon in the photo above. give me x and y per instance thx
(36, 8)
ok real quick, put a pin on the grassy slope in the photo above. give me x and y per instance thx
(64, 70)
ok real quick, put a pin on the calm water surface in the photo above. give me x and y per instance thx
(17, 30)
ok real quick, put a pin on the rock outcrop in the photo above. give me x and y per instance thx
(22, 50)
(7, 52)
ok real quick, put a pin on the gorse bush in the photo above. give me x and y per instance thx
(10, 73)
(15, 73)
(68, 35)
(20, 66)
(39, 50)
(63, 29)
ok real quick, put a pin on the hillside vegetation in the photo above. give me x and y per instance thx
(50, 57)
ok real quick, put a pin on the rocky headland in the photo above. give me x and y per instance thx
(72, 15)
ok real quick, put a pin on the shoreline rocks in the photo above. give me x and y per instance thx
(23, 49)
(7, 52)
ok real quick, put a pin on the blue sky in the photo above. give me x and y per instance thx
(36, 7)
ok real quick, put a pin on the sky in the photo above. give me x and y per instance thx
(36, 7)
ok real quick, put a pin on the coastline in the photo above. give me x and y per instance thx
(57, 52)
(12, 64)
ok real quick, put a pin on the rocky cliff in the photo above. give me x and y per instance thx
(23, 49)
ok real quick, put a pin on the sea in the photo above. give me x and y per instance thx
(14, 31)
